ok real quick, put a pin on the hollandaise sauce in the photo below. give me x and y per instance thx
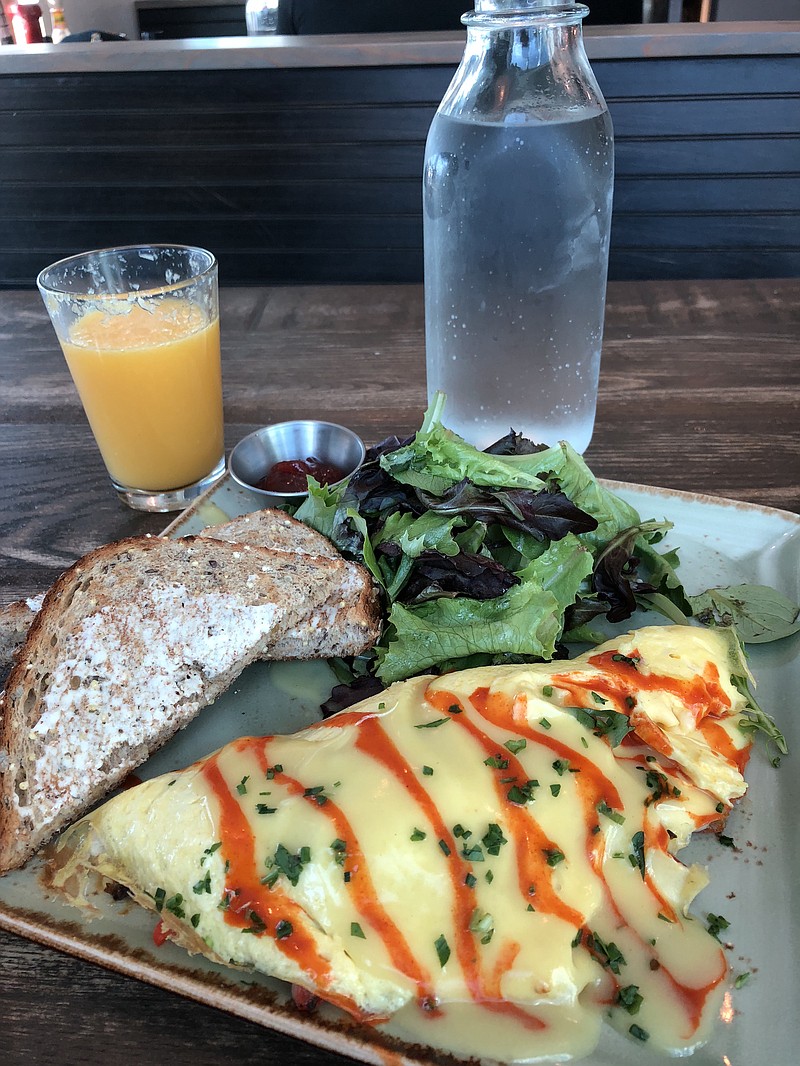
(485, 861)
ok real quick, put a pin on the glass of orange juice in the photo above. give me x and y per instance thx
(139, 327)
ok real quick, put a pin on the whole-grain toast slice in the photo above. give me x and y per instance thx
(336, 627)
(273, 529)
(268, 528)
(130, 644)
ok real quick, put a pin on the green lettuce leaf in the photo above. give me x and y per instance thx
(757, 612)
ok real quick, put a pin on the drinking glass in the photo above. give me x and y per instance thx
(139, 328)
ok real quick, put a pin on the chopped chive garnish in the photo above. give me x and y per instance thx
(210, 851)
(553, 856)
(614, 816)
(356, 930)
(432, 725)
(555, 789)
(204, 885)
(717, 924)
(417, 834)
(444, 846)
(263, 808)
(427, 771)
(241, 788)
(283, 929)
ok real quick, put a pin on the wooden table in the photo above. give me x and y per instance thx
(700, 391)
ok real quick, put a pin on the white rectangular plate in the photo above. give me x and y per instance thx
(755, 886)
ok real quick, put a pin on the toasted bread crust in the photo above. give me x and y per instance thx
(131, 642)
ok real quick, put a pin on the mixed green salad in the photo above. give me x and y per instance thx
(508, 555)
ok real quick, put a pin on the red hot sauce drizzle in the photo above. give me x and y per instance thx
(373, 740)
(248, 899)
(508, 712)
(360, 884)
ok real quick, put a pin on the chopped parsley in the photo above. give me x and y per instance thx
(516, 745)
(630, 999)
(555, 789)
(553, 856)
(283, 929)
(741, 979)
(175, 905)
(493, 839)
(272, 770)
(289, 864)
(522, 794)
(473, 853)
(442, 949)
(470, 880)
(561, 766)
(241, 788)
(418, 834)
(432, 725)
(258, 925)
(629, 660)
(455, 709)
(717, 924)
(356, 930)
(604, 722)
(263, 808)
(639, 1033)
(317, 793)
(726, 842)
(637, 856)
(339, 849)
(496, 762)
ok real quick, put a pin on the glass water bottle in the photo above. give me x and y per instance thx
(518, 179)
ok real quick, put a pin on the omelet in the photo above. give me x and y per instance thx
(487, 859)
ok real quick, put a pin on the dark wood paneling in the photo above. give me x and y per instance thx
(295, 175)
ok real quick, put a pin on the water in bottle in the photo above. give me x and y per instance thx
(517, 213)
